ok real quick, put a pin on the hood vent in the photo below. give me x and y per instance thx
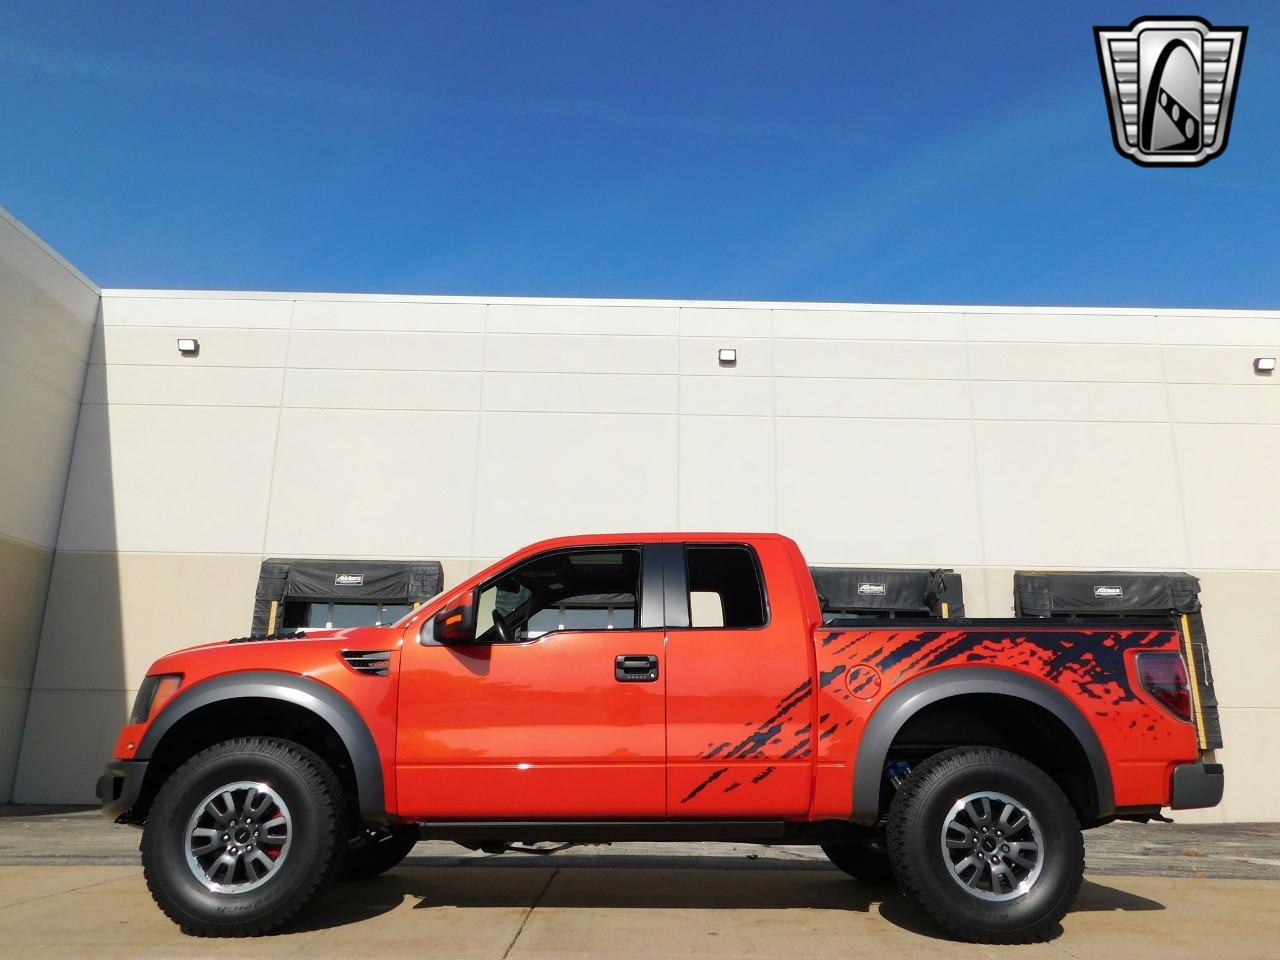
(373, 663)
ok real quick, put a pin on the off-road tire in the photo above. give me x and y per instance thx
(915, 832)
(374, 852)
(863, 863)
(318, 837)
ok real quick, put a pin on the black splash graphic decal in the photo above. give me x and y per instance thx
(712, 778)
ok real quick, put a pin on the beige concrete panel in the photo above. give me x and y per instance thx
(24, 581)
(382, 389)
(601, 319)
(895, 399)
(1115, 363)
(378, 350)
(13, 718)
(862, 491)
(68, 738)
(869, 359)
(867, 325)
(177, 479)
(1225, 331)
(1244, 641)
(37, 426)
(64, 316)
(1220, 365)
(728, 396)
(184, 385)
(996, 599)
(400, 485)
(727, 474)
(1045, 400)
(383, 315)
(1060, 328)
(701, 356)
(111, 615)
(1251, 757)
(218, 348)
(1223, 403)
(1228, 475)
(24, 346)
(1079, 495)
(196, 312)
(551, 474)
(724, 322)
(456, 569)
(580, 392)
(566, 354)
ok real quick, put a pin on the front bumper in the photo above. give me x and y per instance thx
(1197, 785)
(118, 788)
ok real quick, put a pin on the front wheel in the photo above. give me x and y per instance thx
(242, 836)
(988, 844)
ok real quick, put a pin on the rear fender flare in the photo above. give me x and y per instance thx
(321, 700)
(914, 695)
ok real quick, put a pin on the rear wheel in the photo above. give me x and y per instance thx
(865, 863)
(242, 836)
(988, 844)
(375, 851)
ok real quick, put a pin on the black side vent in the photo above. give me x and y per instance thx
(373, 663)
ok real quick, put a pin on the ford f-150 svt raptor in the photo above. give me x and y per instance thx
(658, 687)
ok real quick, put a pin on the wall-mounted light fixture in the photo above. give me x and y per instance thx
(188, 347)
(1264, 364)
(728, 357)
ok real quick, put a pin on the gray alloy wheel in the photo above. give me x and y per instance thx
(994, 846)
(238, 837)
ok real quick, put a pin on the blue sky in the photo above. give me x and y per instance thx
(906, 152)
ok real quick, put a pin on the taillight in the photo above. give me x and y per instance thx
(1164, 676)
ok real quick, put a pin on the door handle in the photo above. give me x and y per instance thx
(636, 668)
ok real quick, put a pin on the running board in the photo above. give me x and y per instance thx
(603, 831)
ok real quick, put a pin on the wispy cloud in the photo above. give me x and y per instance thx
(170, 74)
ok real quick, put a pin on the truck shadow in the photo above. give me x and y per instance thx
(641, 882)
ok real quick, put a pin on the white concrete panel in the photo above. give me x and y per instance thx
(1116, 363)
(1223, 403)
(1244, 649)
(701, 357)
(176, 479)
(544, 475)
(184, 385)
(724, 322)
(378, 483)
(24, 346)
(42, 273)
(1225, 331)
(196, 312)
(821, 324)
(1219, 365)
(353, 350)
(1060, 328)
(879, 491)
(1087, 495)
(896, 399)
(869, 358)
(64, 315)
(218, 348)
(727, 396)
(597, 319)
(382, 389)
(579, 392)
(1047, 400)
(409, 316)
(727, 477)
(37, 427)
(566, 354)
(1229, 483)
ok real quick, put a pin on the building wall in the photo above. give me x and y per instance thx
(459, 429)
(47, 312)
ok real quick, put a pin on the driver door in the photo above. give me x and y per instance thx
(556, 710)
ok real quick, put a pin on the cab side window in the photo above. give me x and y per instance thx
(585, 589)
(725, 589)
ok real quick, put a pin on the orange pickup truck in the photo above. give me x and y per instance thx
(659, 687)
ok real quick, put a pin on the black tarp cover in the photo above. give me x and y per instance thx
(388, 581)
(1045, 594)
(887, 590)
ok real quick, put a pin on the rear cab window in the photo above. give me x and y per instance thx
(725, 588)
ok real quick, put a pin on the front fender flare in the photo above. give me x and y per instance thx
(914, 695)
(321, 700)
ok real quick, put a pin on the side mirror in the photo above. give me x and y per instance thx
(454, 625)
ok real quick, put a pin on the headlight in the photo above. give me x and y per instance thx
(153, 694)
